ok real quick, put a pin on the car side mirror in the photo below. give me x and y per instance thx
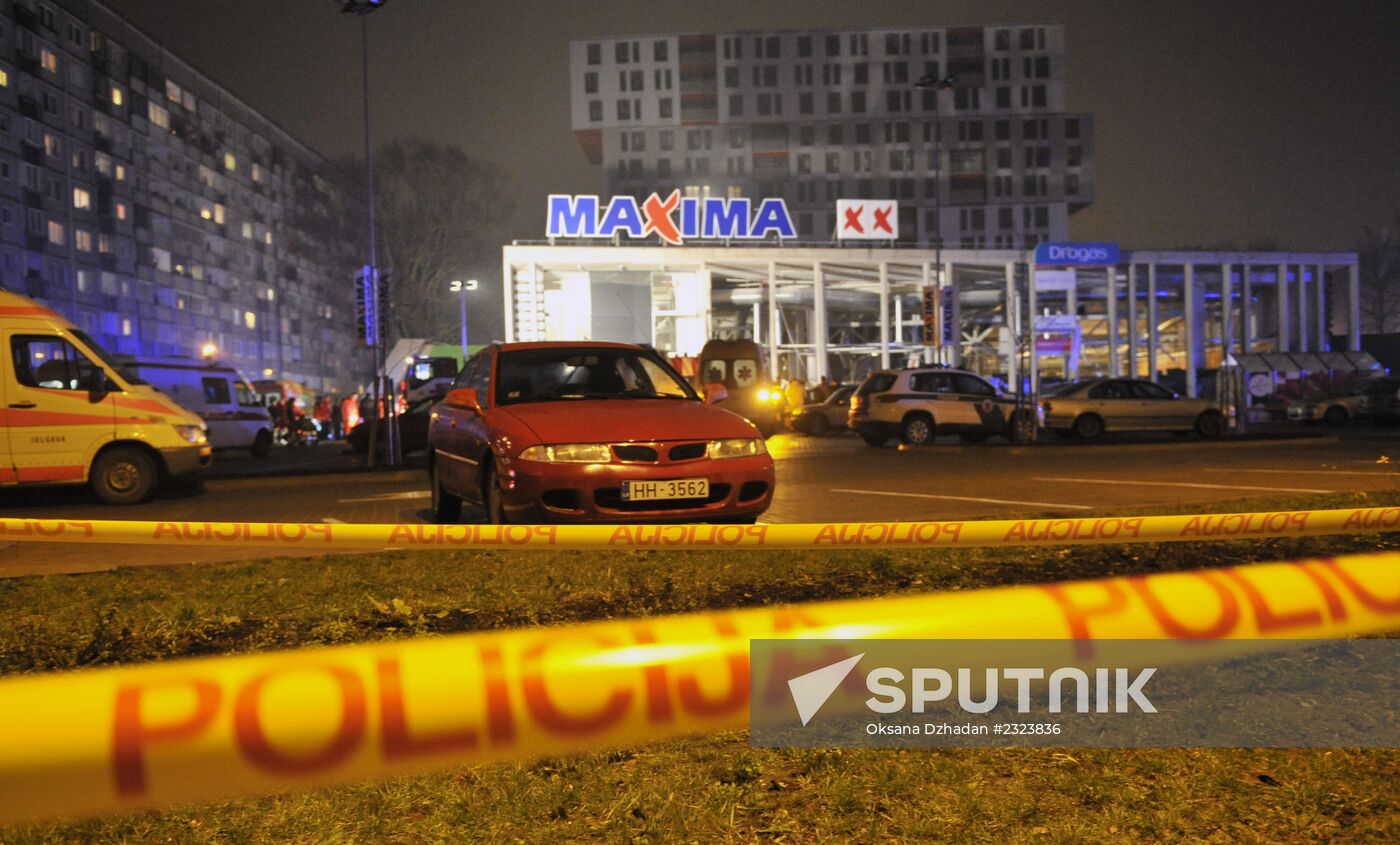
(98, 383)
(715, 392)
(464, 398)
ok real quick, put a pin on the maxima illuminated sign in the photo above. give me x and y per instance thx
(672, 220)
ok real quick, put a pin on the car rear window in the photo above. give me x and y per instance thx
(876, 383)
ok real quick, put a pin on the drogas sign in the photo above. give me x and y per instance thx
(1076, 255)
(672, 219)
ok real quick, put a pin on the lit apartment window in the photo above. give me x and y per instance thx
(230, 163)
(119, 210)
(248, 230)
(250, 320)
(4, 78)
(267, 237)
(206, 213)
(118, 95)
(158, 115)
(52, 146)
(119, 172)
(56, 233)
(218, 214)
(49, 60)
(82, 199)
(82, 239)
(126, 327)
(104, 243)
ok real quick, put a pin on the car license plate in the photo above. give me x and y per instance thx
(679, 488)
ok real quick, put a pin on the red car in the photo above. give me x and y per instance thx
(587, 433)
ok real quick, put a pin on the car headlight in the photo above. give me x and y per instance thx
(569, 453)
(739, 448)
(195, 434)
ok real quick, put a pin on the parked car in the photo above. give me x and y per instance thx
(590, 432)
(74, 416)
(413, 429)
(821, 417)
(222, 397)
(1342, 406)
(916, 405)
(1089, 408)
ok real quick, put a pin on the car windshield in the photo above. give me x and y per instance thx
(102, 355)
(1067, 388)
(565, 373)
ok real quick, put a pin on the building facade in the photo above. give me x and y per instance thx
(992, 162)
(160, 213)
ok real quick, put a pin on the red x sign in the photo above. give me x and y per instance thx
(869, 220)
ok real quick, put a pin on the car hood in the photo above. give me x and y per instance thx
(623, 420)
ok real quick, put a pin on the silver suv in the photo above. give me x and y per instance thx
(915, 405)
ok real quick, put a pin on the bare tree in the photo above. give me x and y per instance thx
(1379, 254)
(439, 210)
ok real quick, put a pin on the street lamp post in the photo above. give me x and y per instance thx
(363, 8)
(464, 287)
(936, 84)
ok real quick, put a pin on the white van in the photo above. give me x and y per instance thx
(220, 394)
(70, 415)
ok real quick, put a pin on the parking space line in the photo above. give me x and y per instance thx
(390, 497)
(963, 499)
(1141, 483)
(1305, 472)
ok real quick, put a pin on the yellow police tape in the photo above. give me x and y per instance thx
(1000, 532)
(96, 741)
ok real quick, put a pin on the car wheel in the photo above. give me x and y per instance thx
(447, 508)
(1210, 425)
(1336, 415)
(262, 444)
(873, 439)
(815, 424)
(1088, 427)
(918, 430)
(492, 497)
(123, 476)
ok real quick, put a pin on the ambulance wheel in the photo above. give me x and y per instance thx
(262, 444)
(123, 476)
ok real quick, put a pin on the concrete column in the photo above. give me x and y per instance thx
(1192, 315)
(1152, 322)
(1246, 310)
(1013, 326)
(707, 280)
(1285, 343)
(926, 271)
(508, 291)
(1111, 294)
(1324, 339)
(819, 321)
(954, 350)
(1303, 343)
(1227, 310)
(1032, 310)
(1354, 308)
(884, 315)
(1132, 322)
(775, 322)
(899, 321)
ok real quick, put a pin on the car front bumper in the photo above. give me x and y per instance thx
(187, 461)
(534, 492)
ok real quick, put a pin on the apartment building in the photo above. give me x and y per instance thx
(158, 211)
(993, 161)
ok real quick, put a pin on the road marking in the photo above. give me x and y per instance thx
(330, 520)
(963, 499)
(1178, 484)
(391, 497)
(1307, 472)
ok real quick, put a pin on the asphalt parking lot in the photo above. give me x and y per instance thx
(820, 479)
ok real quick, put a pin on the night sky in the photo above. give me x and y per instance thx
(1216, 122)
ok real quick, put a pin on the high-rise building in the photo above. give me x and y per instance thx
(158, 211)
(818, 116)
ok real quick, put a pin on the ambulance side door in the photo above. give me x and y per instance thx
(55, 422)
(7, 455)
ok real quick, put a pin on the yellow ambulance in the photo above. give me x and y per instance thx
(70, 415)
